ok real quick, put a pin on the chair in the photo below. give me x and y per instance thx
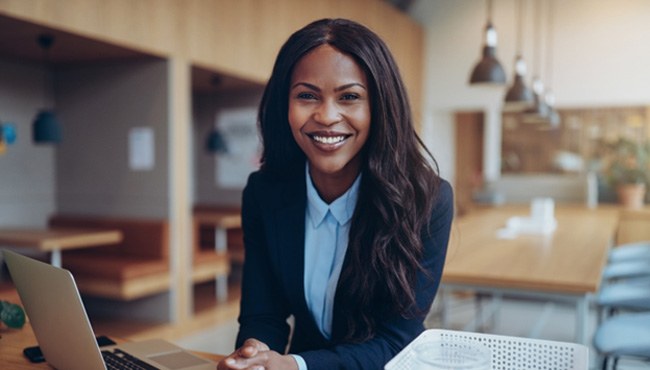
(626, 269)
(630, 294)
(625, 335)
(630, 252)
(508, 353)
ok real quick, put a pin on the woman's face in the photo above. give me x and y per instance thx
(329, 112)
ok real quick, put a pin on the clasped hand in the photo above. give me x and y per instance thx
(256, 355)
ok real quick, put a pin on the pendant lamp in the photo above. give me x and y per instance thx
(519, 96)
(538, 112)
(216, 143)
(549, 97)
(488, 70)
(46, 128)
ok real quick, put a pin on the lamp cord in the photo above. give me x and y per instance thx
(489, 11)
(519, 16)
(45, 41)
(549, 41)
(537, 40)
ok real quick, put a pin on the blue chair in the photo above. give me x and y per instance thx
(625, 335)
(626, 269)
(630, 295)
(630, 252)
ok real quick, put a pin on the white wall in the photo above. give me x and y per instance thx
(600, 58)
(100, 104)
(27, 171)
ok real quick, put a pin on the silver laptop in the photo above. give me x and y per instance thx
(59, 320)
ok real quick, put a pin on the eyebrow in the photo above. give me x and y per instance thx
(340, 88)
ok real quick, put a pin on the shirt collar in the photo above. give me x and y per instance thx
(342, 208)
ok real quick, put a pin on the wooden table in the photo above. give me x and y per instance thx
(221, 220)
(12, 342)
(564, 265)
(55, 240)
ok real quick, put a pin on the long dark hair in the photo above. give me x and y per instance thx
(398, 185)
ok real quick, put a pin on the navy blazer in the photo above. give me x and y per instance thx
(273, 222)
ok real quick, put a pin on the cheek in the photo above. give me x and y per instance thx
(363, 121)
(296, 122)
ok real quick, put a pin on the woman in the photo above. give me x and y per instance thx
(346, 224)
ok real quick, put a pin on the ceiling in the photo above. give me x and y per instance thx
(18, 41)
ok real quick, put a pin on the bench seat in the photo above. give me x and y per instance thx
(136, 267)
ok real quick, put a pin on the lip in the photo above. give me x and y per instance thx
(328, 141)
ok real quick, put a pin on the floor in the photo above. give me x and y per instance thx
(515, 318)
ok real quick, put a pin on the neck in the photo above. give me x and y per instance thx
(332, 187)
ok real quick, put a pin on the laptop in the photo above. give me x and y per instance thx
(52, 302)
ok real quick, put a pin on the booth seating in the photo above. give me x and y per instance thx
(136, 267)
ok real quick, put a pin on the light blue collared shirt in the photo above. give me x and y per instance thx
(326, 240)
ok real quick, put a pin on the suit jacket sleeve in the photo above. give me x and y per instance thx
(264, 310)
(396, 332)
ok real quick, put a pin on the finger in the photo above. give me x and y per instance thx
(252, 347)
(261, 346)
(241, 363)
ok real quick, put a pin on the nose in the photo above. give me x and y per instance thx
(327, 113)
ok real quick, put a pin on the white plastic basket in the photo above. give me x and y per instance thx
(508, 353)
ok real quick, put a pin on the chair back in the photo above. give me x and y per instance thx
(508, 353)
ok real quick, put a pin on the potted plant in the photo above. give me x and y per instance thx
(629, 171)
(12, 315)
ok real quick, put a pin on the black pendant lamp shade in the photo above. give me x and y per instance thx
(46, 128)
(519, 96)
(519, 93)
(488, 70)
(216, 143)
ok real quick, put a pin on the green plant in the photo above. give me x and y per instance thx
(12, 315)
(629, 162)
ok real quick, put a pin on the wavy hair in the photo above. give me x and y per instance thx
(398, 185)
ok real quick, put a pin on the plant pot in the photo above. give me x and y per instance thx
(631, 195)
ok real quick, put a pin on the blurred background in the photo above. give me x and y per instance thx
(117, 112)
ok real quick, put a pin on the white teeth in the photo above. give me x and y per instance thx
(329, 139)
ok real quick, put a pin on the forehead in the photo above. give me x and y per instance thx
(327, 64)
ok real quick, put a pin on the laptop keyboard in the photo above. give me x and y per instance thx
(120, 360)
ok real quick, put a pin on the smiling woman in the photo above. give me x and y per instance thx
(346, 224)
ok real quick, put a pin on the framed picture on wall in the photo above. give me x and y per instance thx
(239, 129)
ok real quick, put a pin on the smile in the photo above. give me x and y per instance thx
(329, 139)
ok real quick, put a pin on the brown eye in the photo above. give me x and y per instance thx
(350, 97)
(306, 96)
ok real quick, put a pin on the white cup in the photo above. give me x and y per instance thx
(542, 209)
(439, 354)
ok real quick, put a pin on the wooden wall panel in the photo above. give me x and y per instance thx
(151, 26)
